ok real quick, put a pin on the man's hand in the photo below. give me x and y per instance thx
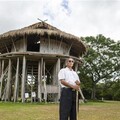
(76, 87)
(77, 82)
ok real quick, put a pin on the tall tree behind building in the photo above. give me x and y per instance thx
(101, 64)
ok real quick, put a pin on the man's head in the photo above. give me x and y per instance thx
(69, 62)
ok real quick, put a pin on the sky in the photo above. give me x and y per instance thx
(78, 17)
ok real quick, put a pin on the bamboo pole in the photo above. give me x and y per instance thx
(76, 67)
(45, 90)
(58, 69)
(8, 89)
(1, 77)
(23, 79)
(80, 91)
(49, 42)
(16, 81)
(6, 48)
(60, 44)
(77, 100)
(3, 64)
(77, 106)
(24, 44)
(39, 81)
(31, 84)
(41, 71)
(54, 74)
(0, 67)
(70, 48)
(14, 45)
(3, 95)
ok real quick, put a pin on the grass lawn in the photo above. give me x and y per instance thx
(109, 110)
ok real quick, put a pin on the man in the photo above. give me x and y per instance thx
(70, 83)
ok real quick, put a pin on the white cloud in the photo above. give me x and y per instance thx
(78, 17)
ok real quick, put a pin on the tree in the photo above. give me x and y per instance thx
(101, 63)
(109, 90)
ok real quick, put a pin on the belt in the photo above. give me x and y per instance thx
(69, 88)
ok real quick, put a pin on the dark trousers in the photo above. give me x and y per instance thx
(67, 107)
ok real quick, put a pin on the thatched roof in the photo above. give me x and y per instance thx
(42, 29)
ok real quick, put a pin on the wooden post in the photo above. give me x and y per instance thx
(31, 84)
(1, 86)
(58, 69)
(0, 68)
(70, 48)
(45, 90)
(24, 44)
(23, 79)
(8, 89)
(54, 82)
(39, 81)
(1, 78)
(76, 67)
(14, 45)
(16, 81)
(60, 44)
(49, 42)
(41, 71)
(3, 95)
(3, 64)
(6, 48)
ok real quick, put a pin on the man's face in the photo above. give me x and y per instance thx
(70, 62)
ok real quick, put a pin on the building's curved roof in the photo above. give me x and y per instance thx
(43, 29)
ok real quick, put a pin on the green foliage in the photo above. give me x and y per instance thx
(101, 64)
(109, 90)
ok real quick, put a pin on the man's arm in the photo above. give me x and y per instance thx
(76, 87)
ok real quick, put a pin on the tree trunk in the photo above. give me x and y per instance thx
(93, 94)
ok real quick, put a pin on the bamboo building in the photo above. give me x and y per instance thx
(30, 59)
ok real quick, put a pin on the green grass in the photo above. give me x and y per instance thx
(109, 110)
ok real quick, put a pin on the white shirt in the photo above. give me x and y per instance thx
(68, 75)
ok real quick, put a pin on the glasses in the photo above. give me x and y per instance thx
(71, 61)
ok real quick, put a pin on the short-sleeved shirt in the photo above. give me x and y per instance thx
(68, 75)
